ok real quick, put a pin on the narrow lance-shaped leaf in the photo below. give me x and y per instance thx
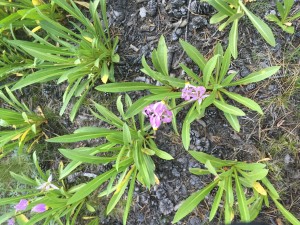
(194, 54)
(208, 69)
(262, 28)
(256, 76)
(243, 100)
(243, 208)
(228, 108)
(233, 38)
(216, 203)
(191, 202)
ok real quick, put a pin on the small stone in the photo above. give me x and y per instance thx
(199, 22)
(175, 172)
(143, 12)
(194, 221)
(177, 3)
(166, 206)
(152, 7)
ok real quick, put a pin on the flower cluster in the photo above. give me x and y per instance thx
(22, 205)
(193, 93)
(158, 113)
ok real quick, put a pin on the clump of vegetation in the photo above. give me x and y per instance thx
(37, 46)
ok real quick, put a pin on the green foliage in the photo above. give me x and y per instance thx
(233, 11)
(21, 13)
(129, 147)
(56, 199)
(284, 10)
(79, 57)
(214, 77)
(18, 125)
(233, 178)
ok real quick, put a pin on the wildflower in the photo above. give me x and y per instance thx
(11, 221)
(47, 185)
(22, 205)
(39, 208)
(193, 93)
(158, 113)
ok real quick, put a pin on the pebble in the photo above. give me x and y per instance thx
(199, 22)
(152, 8)
(143, 12)
(166, 206)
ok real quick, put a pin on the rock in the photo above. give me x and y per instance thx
(166, 206)
(198, 22)
(143, 12)
(152, 7)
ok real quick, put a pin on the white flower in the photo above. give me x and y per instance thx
(46, 186)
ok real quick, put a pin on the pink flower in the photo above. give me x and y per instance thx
(11, 221)
(193, 93)
(22, 205)
(39, 208)
(158, 113)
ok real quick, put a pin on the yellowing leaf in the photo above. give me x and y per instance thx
(288, 24)
(24, 135)
(16, 137)
(88, 39)
(156, 180)
(37, 2)
(257, 186)
(36, 29)
(104, 73)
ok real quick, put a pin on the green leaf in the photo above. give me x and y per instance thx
(162, 154)
(233, 121)
(250, 166)
(162, 54)
(233, 39)
(289, 216)
(262, 28)
(270, 187)
(119, 192)
(84, 157)
(242, 202)
(232, 18)
(81, 136)
(255, 208)
(225, 64)
(125, 86)
(216, 203)
(210, 168)
(209, 68)
(38, 77)
(228, 108)
(91, 186)
(245, 101)
(191, 202)
(126, 134)
(194, 54)
(217, 163)
(198, 171)
(137, 107)
(256, 76)
(217, 18)
(190, 73)
(23, 179)
(221, 6)
(109, 115)
(129, 198)
(229, 191)
(185, 133)
(256, 174)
